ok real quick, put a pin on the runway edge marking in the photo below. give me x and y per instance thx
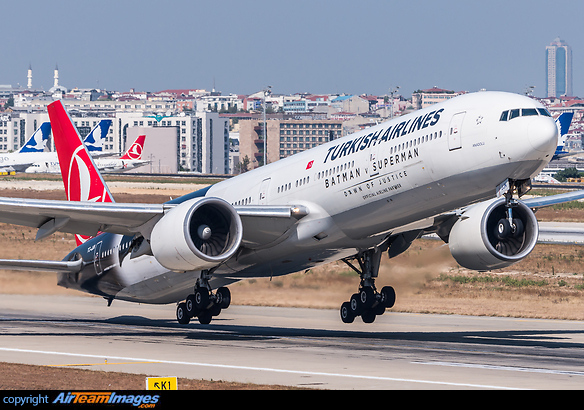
(262, 369)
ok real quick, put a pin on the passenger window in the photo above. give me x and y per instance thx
(504, 116)
(514, 114)
(544, 112)
(528, 112)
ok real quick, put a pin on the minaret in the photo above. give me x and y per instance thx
(56, 84)
(29, 84)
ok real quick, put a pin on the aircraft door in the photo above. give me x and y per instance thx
(374, 156)
(97, 259)
(455, 131)
(264, 191)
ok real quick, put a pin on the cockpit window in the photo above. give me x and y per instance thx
(523, 112)
(514, 114)
(527, 112)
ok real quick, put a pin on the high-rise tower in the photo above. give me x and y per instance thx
(558, 69)
(56, 77)
(29, 76)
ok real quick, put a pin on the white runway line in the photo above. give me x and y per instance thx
(262, 369)
(506, 368)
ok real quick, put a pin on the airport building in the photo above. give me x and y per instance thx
(558, 69)
(425, 98)
(201, 138)
(285, 137)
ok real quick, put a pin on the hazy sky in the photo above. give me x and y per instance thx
(317, 46)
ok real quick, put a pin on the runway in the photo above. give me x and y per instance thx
(295, 347)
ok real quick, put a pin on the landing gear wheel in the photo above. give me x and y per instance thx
(205, 317)
(190, 306)
(201, 298)
(215, 310)
(223, 297)
(181, 314)
(347, 315)
(367, 297)
(387, 297)
(355, 304)
(368, 316)
(519, 228)
(503, 229)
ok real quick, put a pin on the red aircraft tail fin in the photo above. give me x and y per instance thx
(135, 150)
(81, 178)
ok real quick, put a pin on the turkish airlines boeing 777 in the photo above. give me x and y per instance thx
(456, 169)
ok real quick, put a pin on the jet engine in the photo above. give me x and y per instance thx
(196, 234)
(484, 237)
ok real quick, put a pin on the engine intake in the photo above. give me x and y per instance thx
(197, 234)
(483, 239)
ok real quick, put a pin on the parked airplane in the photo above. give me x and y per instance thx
(49, 163)
(545, 179)
(457, 169)
(29, 153)
(130, 160)
(94, 141)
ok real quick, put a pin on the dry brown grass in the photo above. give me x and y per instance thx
(29, 377)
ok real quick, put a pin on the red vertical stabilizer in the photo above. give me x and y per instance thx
(81, 178)
(135, 150)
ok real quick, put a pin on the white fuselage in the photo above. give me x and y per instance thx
(364, 187)
(20, 161)
(50, 164)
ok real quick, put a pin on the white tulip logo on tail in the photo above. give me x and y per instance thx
(79, 181)
(135, 151)
(80, 186)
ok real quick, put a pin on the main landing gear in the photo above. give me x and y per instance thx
(367, 302)
(203, 304)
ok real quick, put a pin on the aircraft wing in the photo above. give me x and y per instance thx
(262, 224)
(442, 224)
(86, 218)
(544, 201)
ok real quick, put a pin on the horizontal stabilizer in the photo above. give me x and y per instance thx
(45, 266)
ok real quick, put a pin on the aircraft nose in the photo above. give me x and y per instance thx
(543, 135)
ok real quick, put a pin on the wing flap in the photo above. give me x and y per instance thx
(264, 226)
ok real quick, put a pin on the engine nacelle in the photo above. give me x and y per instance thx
(197, 234)
(479, 241)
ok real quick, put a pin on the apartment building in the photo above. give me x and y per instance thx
(284, 137)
